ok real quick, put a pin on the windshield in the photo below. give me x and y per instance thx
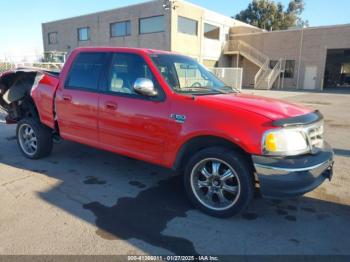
(185, 75)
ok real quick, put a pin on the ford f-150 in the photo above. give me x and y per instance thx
(169, 110)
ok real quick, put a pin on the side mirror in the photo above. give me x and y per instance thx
(144, 86)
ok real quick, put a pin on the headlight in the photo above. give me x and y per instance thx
(285, 142)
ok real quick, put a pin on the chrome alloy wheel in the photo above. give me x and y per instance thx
(215, 184)
(27, 139)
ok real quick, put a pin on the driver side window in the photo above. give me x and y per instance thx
(125, 69)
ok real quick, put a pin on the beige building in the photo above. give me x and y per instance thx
(181, 27)
(309, 58)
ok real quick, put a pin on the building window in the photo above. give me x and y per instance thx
(273, 63)
(52, 38)
(121, 29)
(290, 67)
(153, 24)
(211, 31)
(187, 26)
(84, 34)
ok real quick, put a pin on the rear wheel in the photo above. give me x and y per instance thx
(34, 139)
(219, 182)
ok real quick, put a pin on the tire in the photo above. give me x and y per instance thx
(34, 139)
(219, 182)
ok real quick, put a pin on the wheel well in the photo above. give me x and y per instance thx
(24, 108)
(199, 143)
(28, 108)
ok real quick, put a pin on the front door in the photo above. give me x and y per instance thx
(310, 77)
(77, 99)
(130, 123)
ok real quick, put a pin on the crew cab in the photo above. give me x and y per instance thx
(169, 110)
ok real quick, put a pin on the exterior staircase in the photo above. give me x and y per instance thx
(266, 76)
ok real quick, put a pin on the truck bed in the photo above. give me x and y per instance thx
(23, 86)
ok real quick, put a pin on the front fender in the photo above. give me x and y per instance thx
(244, 132)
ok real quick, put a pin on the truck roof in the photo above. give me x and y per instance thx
(121, 49)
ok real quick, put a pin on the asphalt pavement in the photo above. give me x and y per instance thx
(82, 200)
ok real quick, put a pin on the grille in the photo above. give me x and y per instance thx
(315, 135)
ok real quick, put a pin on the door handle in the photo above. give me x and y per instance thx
(67, 98)
(111, 106)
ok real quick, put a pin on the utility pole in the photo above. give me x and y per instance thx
(300, 55)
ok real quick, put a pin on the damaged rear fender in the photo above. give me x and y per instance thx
(21, 94)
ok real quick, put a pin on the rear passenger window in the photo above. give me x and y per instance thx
(86, 71)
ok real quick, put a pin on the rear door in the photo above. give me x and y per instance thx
(77, 101)
(130, 123)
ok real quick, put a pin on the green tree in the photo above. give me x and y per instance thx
(269, 15)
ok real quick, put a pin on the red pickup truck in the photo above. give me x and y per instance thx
(168, 110)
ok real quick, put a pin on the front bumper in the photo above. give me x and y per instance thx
(293, 176)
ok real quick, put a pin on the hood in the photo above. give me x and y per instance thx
(272, 108)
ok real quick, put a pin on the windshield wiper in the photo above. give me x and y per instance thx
(188, 89)
(220, 89)
(233, 89)
(199, 90)
(205, 89)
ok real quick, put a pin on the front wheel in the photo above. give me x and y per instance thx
(34, 139)
(219, 182)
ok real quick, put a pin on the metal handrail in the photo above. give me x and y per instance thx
(261, 72)
(275, 72)
(6, 66)
(265, 77)
(263, 80)
(239, 45)
(43, 65)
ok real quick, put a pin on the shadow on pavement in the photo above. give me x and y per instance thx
(127, 199)
(341, 152)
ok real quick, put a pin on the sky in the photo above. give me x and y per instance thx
(20, 21)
